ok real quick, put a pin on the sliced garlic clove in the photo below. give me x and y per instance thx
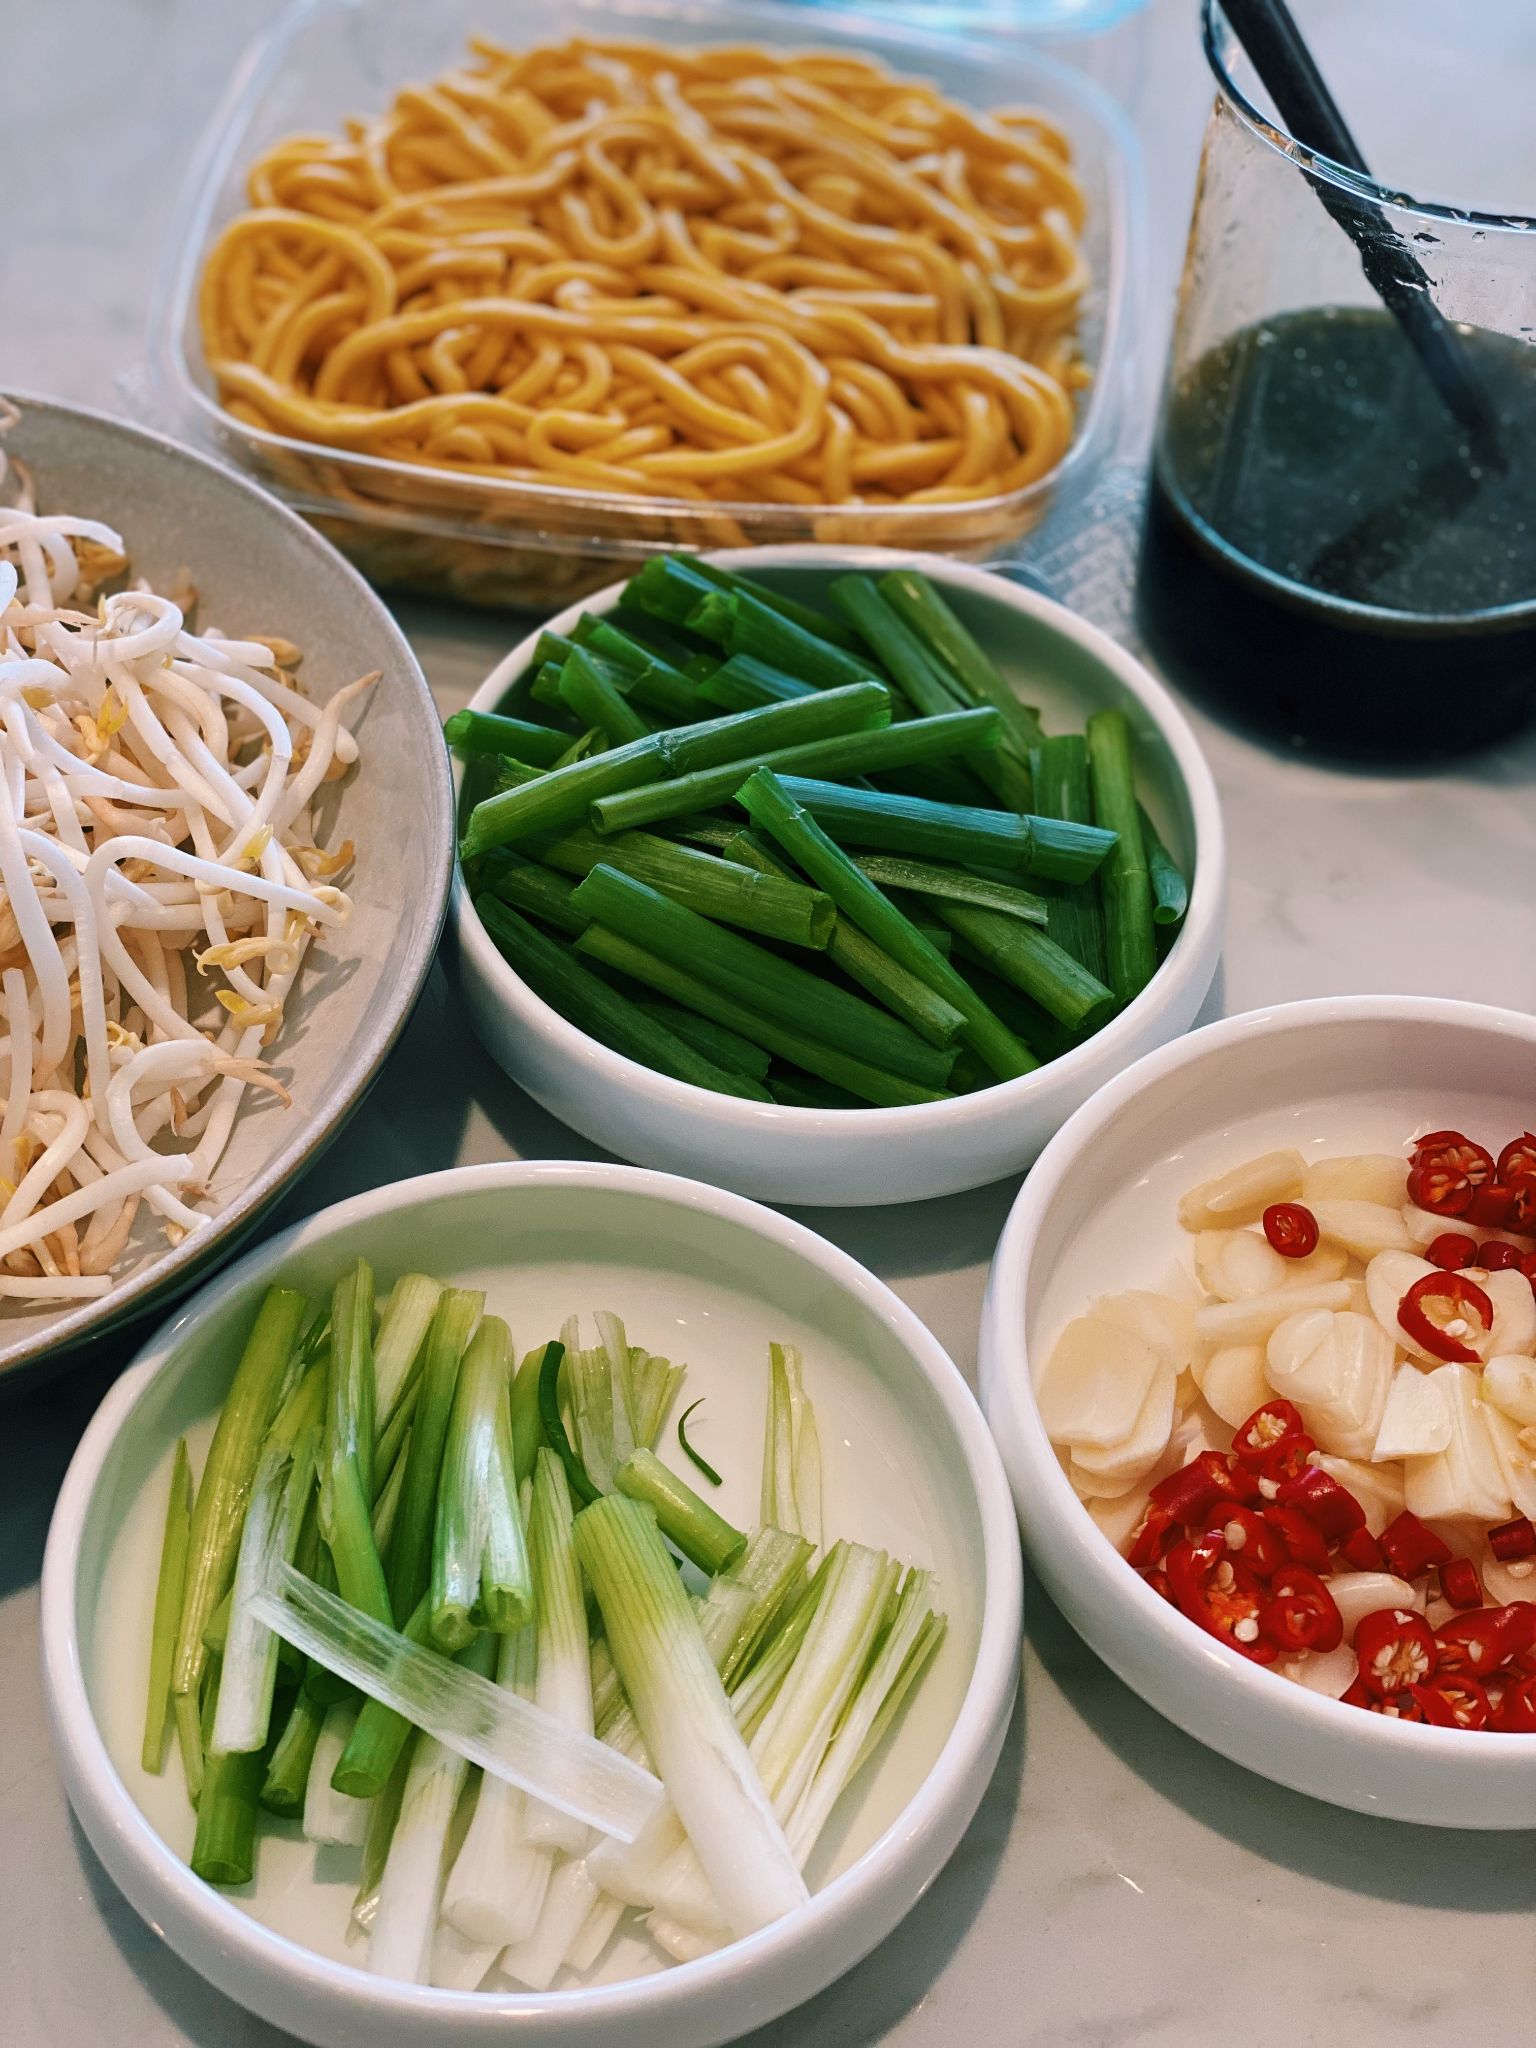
(1147, 1441)
(1094, 1486)
(1362, 1228)
(1416, 1422)
(1119, 1518)
(1514, 1315)
(1517, 1466)
(1234, 1382)
(1328, 1262)
(1165, 1326)
(1236, 1264)
(1388, 1278)
(1509, 1382)
(1301, 1364)
(1338, 1370)
(1330, 1672)
(1465, 1481)
(1362, 1177)
(1094, 1384)
(1243, 1193)
(1357, 1594)
(1251, 1321)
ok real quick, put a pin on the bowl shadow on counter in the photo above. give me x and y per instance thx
(195, 2010)
(1452, 1869)
(864, 2005)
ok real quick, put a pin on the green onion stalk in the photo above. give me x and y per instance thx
(480, 1575)
(772, 805)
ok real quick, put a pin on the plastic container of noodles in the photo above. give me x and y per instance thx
(499, 541)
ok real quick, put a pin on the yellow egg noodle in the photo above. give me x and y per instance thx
(719, 275)
(160, 883)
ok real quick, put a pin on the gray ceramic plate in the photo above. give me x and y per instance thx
(258, 568)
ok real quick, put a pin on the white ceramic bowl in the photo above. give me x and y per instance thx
(705, 1276)
(863, 1156)
(1097, 1215)
(258, 567)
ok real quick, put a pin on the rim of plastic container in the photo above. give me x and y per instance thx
(987, 1697)
(221, 141)
(1221, 42)
(918, 1119)
(1007, 1378)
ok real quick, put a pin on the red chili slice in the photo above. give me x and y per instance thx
(1267, 1430)
(1319, 1496)
(1450, 1251)
(1521, 1211)
(1156, 1536)
(1447, 1171)
(1528, 1266)
(1410, 1548)
(1291, 1228)
(1472, 1645)
(1511, 1541)
(1219, 1594)
(1516, 1712)
(1496, 1255)
(1303, 1539)
(1438, 1141)
(1300, 1613)
(1520, 1633)
(1251, 1539)
(1454, 1703)
(1362, 1552)
(1396, 1650)
(1491, 1206)
(1518, 1159)
(1397, 1706)
(1190, 1493)
(1157, 1579)
(1454, 1294)
(1460, 1584)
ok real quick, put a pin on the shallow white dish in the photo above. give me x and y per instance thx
(866, 1156)
(258, 567)
(703, 1276)
(1097, 1214)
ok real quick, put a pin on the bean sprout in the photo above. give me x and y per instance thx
(156, 786)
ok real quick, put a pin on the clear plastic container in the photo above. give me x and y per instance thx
(498, 542)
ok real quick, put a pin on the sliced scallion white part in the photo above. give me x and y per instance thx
(405, 1923)
(734, 1615)
(506, 1735)
(588, 1388)
(480, 1568)
(679, 1943)
(684, 1716)
(653, 1382)
(402, 1331)
(536, 1962)
(855, 1601)
(495, 1890)
(616, 1352)
(563, 1668)
(906, 1645)
(457, 1964)
(595, 1933)
(279, 1495)
(791, 1496)
(330, 1816)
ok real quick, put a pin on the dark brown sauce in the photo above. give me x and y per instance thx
(1325, 558)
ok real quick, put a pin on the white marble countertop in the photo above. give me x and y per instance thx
(1120, 1884)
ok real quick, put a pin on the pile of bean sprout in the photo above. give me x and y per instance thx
(160, 883)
